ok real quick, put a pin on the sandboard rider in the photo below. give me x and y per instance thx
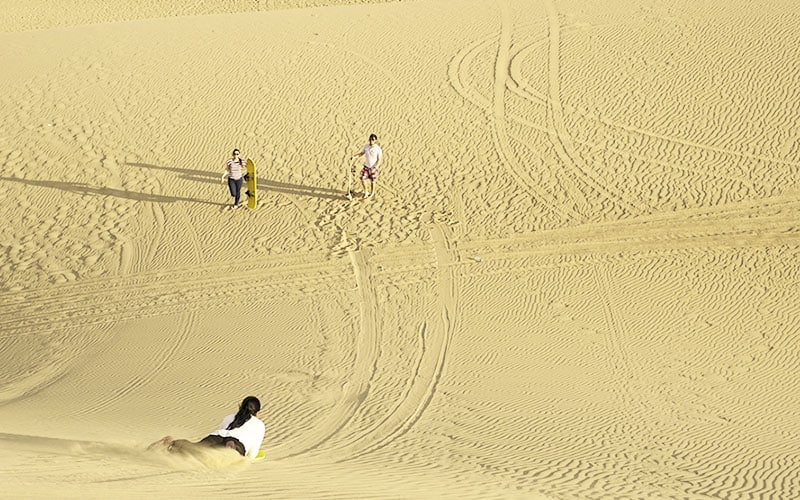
(372, 158)
(242, 431)
(233, 172)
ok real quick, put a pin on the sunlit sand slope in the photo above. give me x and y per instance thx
(577, 279)
(43, 14)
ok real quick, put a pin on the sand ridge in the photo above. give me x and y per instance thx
(578, 278)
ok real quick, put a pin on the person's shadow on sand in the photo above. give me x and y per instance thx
(186, 174)
(183, 173)
(300, 190)
(84, 189)
(263, 184)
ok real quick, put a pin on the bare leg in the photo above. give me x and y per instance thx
(166, 441)
(182, 445)
(364, 187)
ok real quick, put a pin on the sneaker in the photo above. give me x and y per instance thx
(235, 206)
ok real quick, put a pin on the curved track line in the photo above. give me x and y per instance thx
(186, 327)
(771, 221)
(458, 75)
(525, 91)
(151, 294)
(355, 391)
(702, 146)
(37, 378)
(519, 172)
(429, 368)
(559, 137)
(457, 72)
(155, 235)
(517, 83)
(752, 222)
(518, 86)
(615, 337)
(393, 421)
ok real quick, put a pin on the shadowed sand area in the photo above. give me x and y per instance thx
(578, 278)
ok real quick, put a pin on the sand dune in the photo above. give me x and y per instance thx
(41, 14)
(578, 278)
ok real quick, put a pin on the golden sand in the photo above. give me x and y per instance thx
(578, 278)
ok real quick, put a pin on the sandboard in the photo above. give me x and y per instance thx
(251, 184)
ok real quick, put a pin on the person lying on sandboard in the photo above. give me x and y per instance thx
(242, 431)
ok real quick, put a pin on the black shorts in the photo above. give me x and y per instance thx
(215, 441)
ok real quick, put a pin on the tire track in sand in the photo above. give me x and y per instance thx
(563, 143)
(356, 390)
(428, 367)
(557, 130)
(136, 296)
(762, 222)
(458, 73)
(616, 340)
(498, 118)
(767, 222)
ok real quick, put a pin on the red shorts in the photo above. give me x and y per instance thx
(369, 174)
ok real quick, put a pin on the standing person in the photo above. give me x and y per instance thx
(233, 170)
(242, 431)
(372, 154)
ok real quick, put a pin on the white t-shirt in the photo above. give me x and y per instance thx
(250, 433)
(371, 155)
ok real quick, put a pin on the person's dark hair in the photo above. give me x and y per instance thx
(249, 407)
(235, 151)
(373, 136)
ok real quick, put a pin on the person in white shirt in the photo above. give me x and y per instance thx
(242, 431)
(372, 154)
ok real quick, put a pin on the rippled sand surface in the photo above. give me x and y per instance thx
(578, 277)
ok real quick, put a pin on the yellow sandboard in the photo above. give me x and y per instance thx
(251, 184)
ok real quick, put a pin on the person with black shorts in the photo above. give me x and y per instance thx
(242, 431)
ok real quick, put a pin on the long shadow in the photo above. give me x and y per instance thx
(80, 188)
(300, 190)
(280, 187)
(183, 173)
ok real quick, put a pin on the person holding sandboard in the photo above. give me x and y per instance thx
(233, 172)
(237, 172)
